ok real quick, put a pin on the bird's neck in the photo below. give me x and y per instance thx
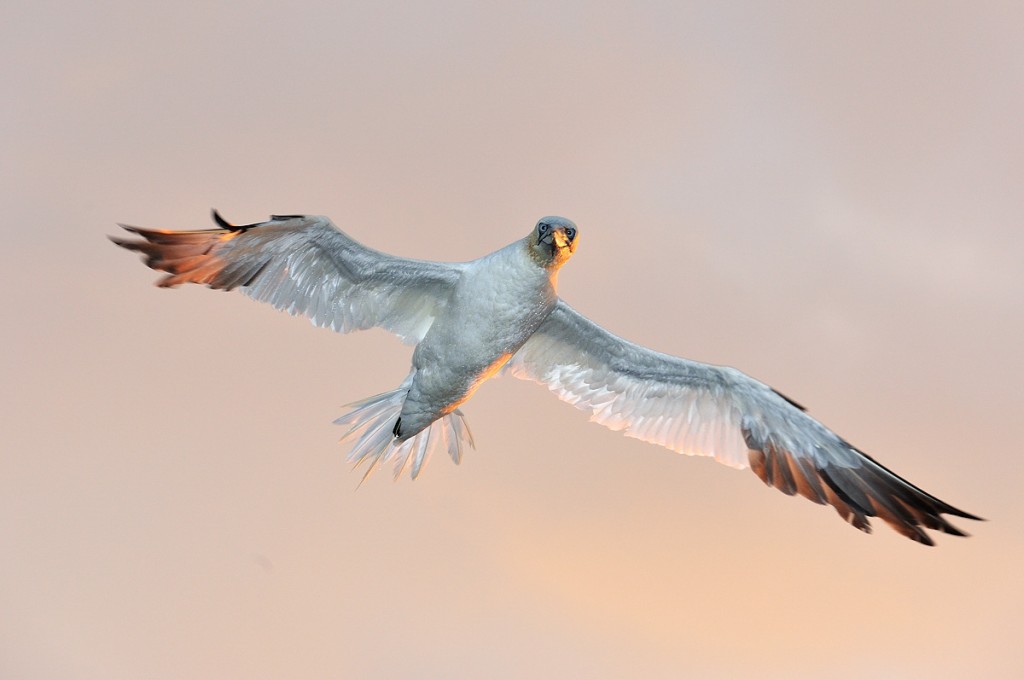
(543, 257)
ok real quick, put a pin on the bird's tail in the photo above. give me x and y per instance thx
(372, 423)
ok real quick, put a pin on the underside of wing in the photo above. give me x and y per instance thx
(682, 405)
(305, 266)
(716, 411)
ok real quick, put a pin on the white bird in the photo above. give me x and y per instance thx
(470, 320)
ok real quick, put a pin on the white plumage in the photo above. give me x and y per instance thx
(502, 313)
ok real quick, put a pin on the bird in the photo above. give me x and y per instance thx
(501, 315)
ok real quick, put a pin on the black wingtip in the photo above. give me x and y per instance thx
(221, 222)
(122, 241)
(966, 515)
(224, 224)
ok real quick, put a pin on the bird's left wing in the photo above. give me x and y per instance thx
(305, 265)
(717, 411)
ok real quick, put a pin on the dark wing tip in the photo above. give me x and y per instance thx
(950, 510)
(126, 227)
(856, 492)
(125, 242)
(941, 506)
(223, 223)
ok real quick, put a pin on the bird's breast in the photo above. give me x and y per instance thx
(499, 303)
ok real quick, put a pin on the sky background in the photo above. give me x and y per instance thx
(828, 196)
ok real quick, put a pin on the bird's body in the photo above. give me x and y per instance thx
(498, 303)
(502, 313)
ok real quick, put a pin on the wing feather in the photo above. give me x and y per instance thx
(717, 411)
(306, 266)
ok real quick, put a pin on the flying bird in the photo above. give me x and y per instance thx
(501, 313)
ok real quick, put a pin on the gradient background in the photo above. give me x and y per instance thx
(829, 198)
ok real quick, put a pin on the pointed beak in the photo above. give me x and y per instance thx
(560, 238)
(556, 238)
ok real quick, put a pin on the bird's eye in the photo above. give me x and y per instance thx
(543, 227)
(570, 232)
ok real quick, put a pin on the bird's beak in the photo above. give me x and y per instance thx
(561, 240)
(556, 238)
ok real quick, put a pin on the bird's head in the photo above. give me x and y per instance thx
(553, 241)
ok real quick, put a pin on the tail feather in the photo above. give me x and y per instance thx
(422, 449)
(371, 425)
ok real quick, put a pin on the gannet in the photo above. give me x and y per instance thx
(501, 313)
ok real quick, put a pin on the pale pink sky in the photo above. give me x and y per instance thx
(828, 197)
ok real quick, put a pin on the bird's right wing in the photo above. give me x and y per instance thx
(304, 265)
(717, 411)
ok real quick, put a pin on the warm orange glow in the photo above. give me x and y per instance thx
(825, 195)
(484, 377)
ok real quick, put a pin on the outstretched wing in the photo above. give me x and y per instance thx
(704, 410)
(304, 265)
